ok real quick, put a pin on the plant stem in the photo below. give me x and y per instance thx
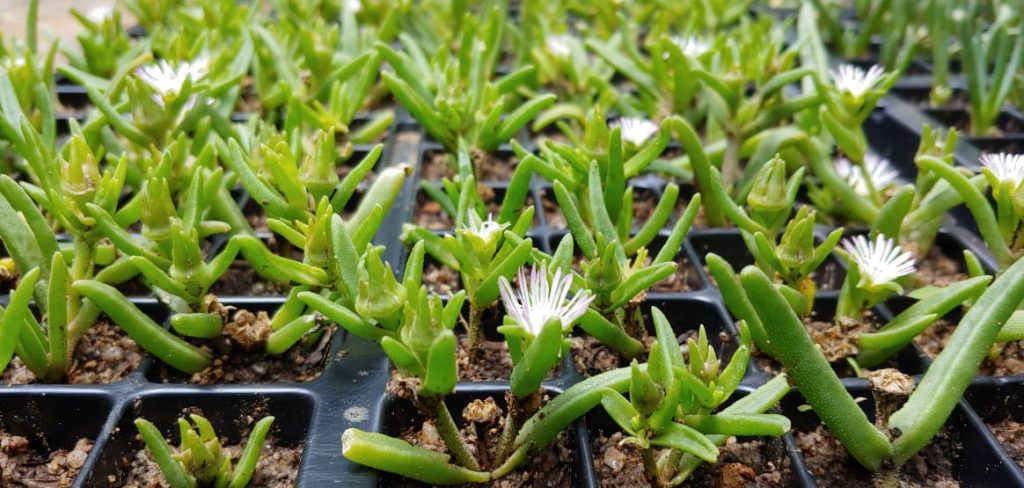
(948, 377)
(450, 433)
(651, 466)
(473, 329)
(731, 163)
(713, 213)
(32, 27)
(508, 436)
(809, 370)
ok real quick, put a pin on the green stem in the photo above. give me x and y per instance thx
(811, 372)
(713, 213)
(857, 206)
(976, 202)
(251, 455)
(385, 453)
(453, 439)
(610, 334)
(164, 455)
(651, 466)
(949, 376)
(731, 162)
(32, 27)
(142, 329)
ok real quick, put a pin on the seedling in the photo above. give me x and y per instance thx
(200, 459)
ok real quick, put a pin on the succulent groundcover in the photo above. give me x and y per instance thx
(513, 243)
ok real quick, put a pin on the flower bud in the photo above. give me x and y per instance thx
(158, 211)
(80, 174)
(187, 263)
(604, 273)
(769, 191)
(483, 235)
(797, 244)
(380, 295)
(644, 393)
(318, 249)
(768, 200)
(421, 323)
(318, 172)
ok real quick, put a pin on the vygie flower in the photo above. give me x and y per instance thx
(691, 45)
(101, 13)
(855, 81)
(1005, 167)
(880, 173)
(636, 129)
(482, 234)
(167, 79)
(879, 262)
(558, 45)
(541, 299)
(484, 229)
(13, 62)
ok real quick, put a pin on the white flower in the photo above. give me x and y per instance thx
(691, 45)
(167, 79)
(855, 81)
(879, 262)
(880, 173)
(99, 14)
(540, 299)
(1005, 167)
(13, 62)
(484, 229)
(636, 129)
(558, 45)
(354, 5)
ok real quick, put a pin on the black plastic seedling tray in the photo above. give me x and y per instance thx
(977, 457)
(350, 391)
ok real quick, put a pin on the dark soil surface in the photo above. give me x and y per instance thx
(242, 280)
(685, 278)
(1011, 435)
(239, 357)
(436, 166)
(552, 212)
(440, 278)
(618, 465)
(836, 341)
(494, 167)
(1003, 360)
(105, 354)
(829, 463)
(134, 287)
(489, 166)
(591, 357)
(829, 276)
(483, 422)
(492, 361)
(749, 463)
(937, 269)
(645, 201)
(21, 465)
(278, 467)
(429, 214)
